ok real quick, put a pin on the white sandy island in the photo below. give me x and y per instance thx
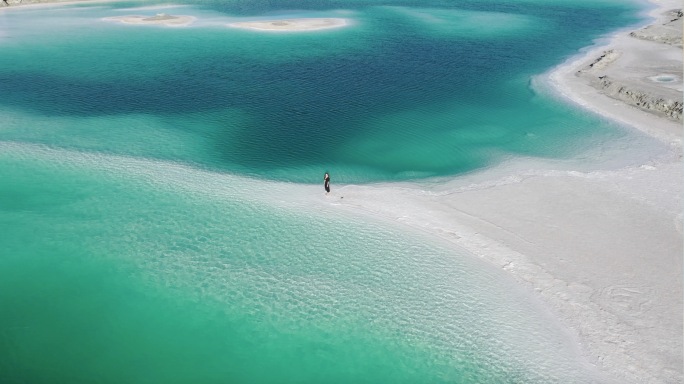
(303, 24)
(158, 19)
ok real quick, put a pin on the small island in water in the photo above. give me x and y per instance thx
(304, 24)
(158, 19)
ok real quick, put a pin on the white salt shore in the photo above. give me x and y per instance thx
(603, 248)
(292, 25)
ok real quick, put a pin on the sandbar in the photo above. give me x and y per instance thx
(302, 24)
(159, 19)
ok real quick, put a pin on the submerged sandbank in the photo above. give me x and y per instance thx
(159, 19)
(303, 24)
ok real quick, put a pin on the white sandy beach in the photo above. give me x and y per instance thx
(603, 248)
(292, 25)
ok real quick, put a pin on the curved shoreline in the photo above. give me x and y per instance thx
(625, 62)
(602, 248)
(638, 337)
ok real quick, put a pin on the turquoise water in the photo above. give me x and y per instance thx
(151, 230)
(407, 91)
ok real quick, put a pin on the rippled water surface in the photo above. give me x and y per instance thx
(151, 230)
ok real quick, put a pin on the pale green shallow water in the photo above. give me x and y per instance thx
(140, 240)
(111, 276)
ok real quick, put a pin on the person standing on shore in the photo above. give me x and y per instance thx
(326, 183)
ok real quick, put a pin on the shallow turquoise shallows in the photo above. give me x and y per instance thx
(140, 240)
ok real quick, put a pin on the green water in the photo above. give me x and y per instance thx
(106, 276)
